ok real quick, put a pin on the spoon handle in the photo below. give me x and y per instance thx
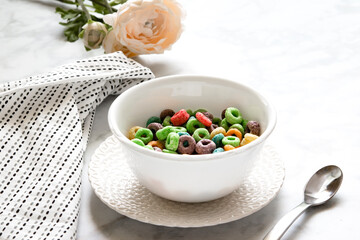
(285, 222)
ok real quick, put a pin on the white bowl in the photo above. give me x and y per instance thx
(189, 178)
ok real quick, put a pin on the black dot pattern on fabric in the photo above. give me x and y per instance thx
(45, 122)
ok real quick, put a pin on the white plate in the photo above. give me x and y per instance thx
(114, 183)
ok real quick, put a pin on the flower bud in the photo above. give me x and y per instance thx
(93, 34)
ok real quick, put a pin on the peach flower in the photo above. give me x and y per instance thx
(110, 45)
(143, 27)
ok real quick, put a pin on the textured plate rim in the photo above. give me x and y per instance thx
(100, 151)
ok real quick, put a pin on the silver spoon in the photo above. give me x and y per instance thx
(321, 187)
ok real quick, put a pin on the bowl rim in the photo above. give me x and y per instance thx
(181, 157)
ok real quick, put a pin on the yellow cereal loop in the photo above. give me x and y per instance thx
(133, 131)
(248, 138)
(217, 131)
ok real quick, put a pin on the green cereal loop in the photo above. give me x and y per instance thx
(138, 142)
(167, 121)
(152, 120)
(217, 139)
(144, 134)
(201, 133)
(149, 147)
(190, 112)
(233, 115)
(193, 124)
(218, 150)
(172, 141)
(224, 124)
(179, 129)
(231, 140)
(238, 127)
(202, 110)
(169, 151)
(164, 132)
(244, 123)
(216, 121)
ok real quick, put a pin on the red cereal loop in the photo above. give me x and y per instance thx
(180, 117)
(203, 119)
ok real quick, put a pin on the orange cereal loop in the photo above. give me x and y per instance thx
(217, 131)
(228, 147)
(234, 131)
(157, 143)
(248, 138)
(133, 131)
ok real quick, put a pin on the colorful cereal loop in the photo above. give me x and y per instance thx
(133, 131)
(218, 150)
(157, 143)
(234, 131)
(217, 131)
(138, 142)
(201, 133)
(248, 138)
(193, 124)
(172, 141)
(231, 140)
(164, 132)
(144, 134)
(233, 115)
(238, 127)
(217, 139)
(228, 147)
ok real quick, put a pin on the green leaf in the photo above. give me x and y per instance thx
(81, 34)
(75, 19)
(61, 11)
(99, 7)
(96, 19)
(70, 24)
(67, 13)
(74, 27)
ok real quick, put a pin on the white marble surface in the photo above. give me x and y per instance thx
(303, 55)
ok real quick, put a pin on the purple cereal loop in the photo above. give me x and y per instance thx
(205, 146)
(212, 127)
(186, 140)
(166, 112)
(154, 127)
(254, 127)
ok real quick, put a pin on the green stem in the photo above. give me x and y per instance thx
(108, 6)
(102, 4)
(81, 3)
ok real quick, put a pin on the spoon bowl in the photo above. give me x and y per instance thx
(321, 187)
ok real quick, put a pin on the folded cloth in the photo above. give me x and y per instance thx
(45, 122)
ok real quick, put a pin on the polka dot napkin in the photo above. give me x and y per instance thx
(45, 122)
